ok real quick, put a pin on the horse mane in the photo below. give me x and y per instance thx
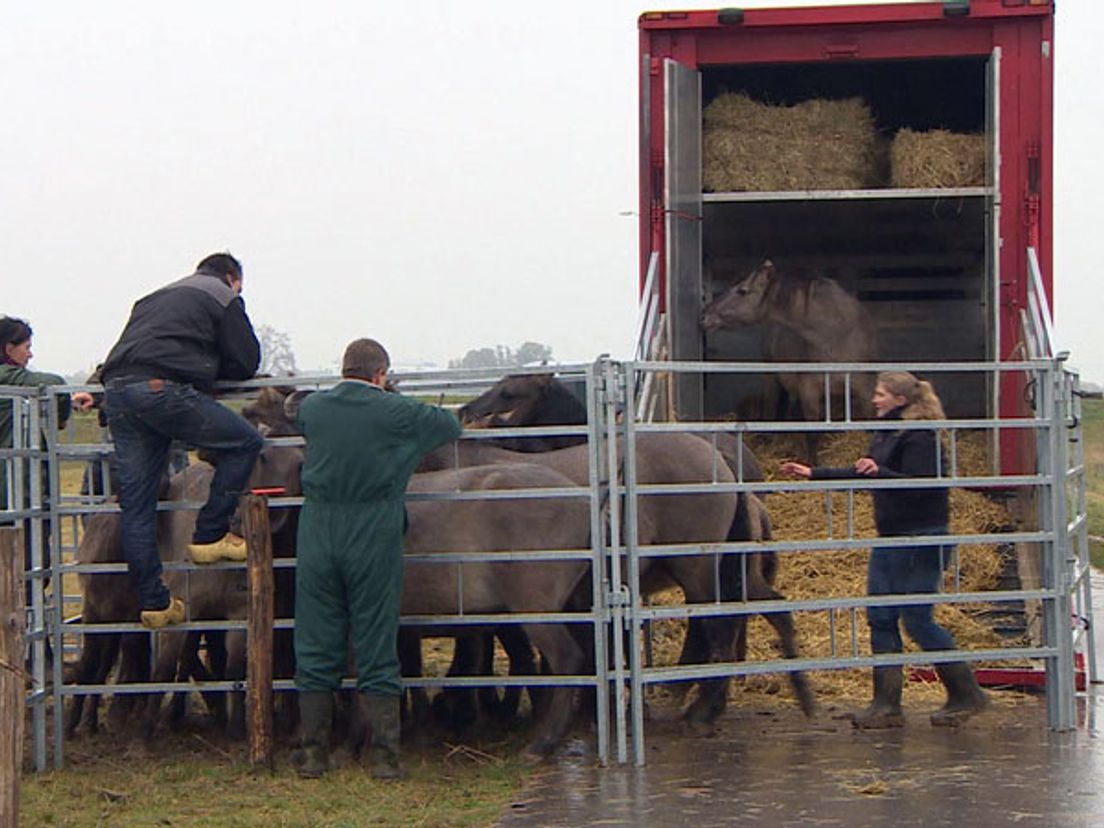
(796, 294)
(786, 285)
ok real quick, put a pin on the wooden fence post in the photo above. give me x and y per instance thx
(12, 681)
(262, 591)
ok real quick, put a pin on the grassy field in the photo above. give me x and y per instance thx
(196, 780)
(1094, 474)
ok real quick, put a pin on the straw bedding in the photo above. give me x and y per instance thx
(822, 574)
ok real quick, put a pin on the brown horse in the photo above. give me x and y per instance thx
(669, 520)
(489, 587)
(808, 319)
(212, 594)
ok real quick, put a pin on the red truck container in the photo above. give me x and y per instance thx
(944, 272)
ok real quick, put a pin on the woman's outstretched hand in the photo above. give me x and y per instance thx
(795, 469)
(866, 466)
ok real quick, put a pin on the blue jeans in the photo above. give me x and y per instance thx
(145, 417)
(904, 570)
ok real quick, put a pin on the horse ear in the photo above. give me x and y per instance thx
(767, 264)
(293, 401)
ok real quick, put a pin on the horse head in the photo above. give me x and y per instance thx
(745, 303)
(268, 408)
(512, 401)
(278, 471)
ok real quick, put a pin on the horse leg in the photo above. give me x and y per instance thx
(172, 643)
(108, 656)
(98, 656)
(787, 639)
(286, 704)
(134, 668)
(763, 571)
(410, 659)
(715, 638)
(695, 650)
(216, 671)
(773, 401)
(186, 667)
(564, 657)
(811, 392)
(719, 634)
(457, 708)
(522, 663)
(235, 671)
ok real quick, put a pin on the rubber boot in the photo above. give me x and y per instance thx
(964, 695)
(885, 710)
(312, 759)
(385, 732)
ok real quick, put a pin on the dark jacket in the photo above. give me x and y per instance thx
(903, 454)
(15, 375)
(193, 331)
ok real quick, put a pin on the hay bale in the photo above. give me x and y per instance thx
(815, 145)
(937, 159)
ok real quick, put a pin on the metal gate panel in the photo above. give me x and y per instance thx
(613, 493)
(46, 612)
(683, 204)
(1056, 432)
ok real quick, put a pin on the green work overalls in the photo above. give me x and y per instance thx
(362, 446)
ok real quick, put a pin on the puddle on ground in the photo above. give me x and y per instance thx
(1002, 768)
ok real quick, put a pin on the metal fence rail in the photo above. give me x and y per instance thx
(1065, 568)
(52, 612)
(43, 457)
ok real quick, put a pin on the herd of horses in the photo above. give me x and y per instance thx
(436, 526)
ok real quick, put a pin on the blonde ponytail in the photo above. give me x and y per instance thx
(922, 401)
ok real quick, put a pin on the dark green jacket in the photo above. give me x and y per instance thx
(363, 443)
(14, 375)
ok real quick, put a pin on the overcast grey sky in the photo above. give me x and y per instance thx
(439, 175)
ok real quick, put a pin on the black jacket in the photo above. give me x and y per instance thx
(903, 454)
(193, 331)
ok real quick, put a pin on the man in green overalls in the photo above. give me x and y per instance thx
(363, 444)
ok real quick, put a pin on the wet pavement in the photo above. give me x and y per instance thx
(1004, 768)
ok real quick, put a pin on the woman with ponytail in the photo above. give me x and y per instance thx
(900, 570)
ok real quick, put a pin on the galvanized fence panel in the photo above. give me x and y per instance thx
(22, 463)
(1060, 519)
(616, 556)
(53, 612)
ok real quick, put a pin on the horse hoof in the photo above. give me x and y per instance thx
(531, 757)
(538, 751)
(703, 715)
(699, 729)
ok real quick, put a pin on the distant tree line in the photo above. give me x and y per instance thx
(501, 356)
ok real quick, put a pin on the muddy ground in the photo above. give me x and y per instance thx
(776, 769)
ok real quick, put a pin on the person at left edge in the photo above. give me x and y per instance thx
(157, 387)
(15, 356)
